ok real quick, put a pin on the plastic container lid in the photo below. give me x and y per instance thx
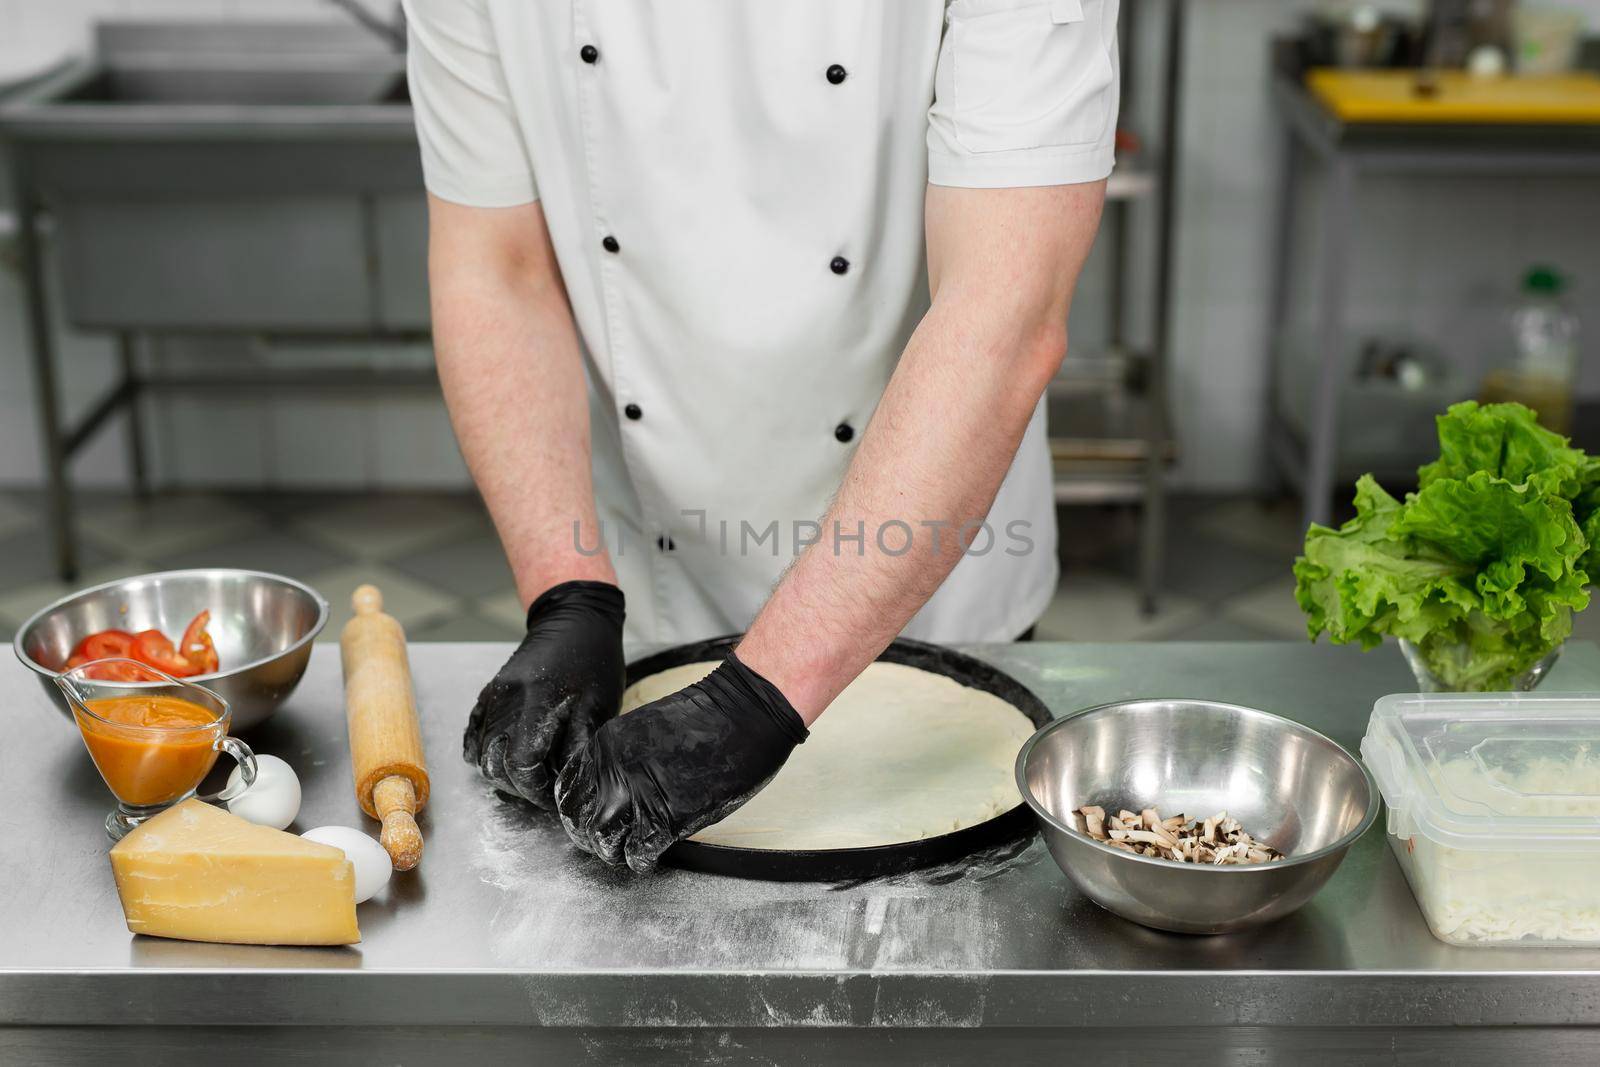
(1489, 771)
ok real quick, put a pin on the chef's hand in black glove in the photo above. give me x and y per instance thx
(555, 691)
(656, 775)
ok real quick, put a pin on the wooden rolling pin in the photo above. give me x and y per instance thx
(391, 776)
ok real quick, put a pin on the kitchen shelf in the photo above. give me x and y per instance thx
(1340, 155)
(1109, 430)
(1111, 439)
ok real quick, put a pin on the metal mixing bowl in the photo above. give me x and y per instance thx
(1286, 784)
(262, 624)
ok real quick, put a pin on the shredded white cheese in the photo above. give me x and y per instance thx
(1541, 892)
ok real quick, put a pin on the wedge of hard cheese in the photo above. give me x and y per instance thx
(197, 873)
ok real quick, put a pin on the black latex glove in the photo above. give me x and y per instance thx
(658, 774)
(561, 683)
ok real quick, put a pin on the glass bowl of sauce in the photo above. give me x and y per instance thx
(152, 737)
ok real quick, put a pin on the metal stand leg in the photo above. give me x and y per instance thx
(1117, 211)
(1153, 533)
(1282, 283)
(41, 343)
(138, 473)
(1116, 220)
(1338, 223)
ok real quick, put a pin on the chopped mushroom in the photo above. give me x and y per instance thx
(1095, 819)
(1219, 840)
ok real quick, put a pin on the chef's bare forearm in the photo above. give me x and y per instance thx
(1002, 265)
(513, 381)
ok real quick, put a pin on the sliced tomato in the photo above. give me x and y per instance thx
(196, 646)
(194, 654)
(119, 672)
(104, 644)
(108, 672)
(153, 647)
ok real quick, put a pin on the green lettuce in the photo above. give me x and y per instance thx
(1481, 568)
(1506, 441)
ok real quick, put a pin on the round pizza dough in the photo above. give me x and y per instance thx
(901, 755)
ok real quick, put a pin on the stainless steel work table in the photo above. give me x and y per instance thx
(505, 941)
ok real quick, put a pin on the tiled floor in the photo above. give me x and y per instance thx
(437, 560)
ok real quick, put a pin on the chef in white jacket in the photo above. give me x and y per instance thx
(744, 312)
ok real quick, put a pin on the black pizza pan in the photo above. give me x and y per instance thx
(850, 864)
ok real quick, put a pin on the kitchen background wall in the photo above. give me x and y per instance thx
(1436, 260)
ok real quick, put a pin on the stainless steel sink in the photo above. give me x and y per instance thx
(222, 178)
(257, 177)
(158, 79)
(276, 85)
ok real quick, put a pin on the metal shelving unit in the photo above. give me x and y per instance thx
(1314, 139)
(1110, 433)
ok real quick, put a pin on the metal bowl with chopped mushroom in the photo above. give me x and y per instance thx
(1240, 784)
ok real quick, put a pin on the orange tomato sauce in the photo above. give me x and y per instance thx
(144, 766)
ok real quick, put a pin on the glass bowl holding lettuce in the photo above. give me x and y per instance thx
(1477, 574)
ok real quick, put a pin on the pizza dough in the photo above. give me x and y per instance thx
(902, 754)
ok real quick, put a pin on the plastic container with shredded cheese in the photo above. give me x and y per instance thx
(1494, 812)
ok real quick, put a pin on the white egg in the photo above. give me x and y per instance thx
(371, 862)
(273, 799)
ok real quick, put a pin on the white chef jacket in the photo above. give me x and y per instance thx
(734, 190)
